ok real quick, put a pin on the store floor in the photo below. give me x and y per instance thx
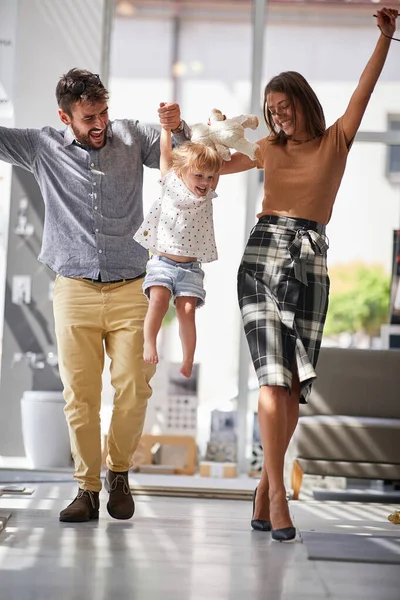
(182, 549)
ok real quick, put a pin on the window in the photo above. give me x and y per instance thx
(393, 159)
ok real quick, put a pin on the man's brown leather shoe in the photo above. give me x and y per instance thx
(85, 507)
(120, 504)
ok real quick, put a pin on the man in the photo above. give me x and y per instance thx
(91, 178)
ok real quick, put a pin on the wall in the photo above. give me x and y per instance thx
(51, 37)
(8, 28)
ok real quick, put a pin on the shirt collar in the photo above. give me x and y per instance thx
(69, 137)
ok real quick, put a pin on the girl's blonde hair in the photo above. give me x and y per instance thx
(194, 157)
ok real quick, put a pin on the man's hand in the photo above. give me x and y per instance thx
(170, 115)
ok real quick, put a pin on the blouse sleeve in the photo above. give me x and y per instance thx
(167, 178)
(260, 153)
(338, 138)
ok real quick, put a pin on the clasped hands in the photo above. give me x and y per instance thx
(170, 115)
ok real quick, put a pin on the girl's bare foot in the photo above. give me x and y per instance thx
(261, 510)
(186, 368)
(150, 353)
(279, 511)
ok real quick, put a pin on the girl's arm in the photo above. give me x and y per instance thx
(386, 21)
(165, 151)
(239, 162)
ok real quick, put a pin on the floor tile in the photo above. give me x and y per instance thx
(179, 549)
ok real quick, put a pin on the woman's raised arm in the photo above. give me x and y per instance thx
(386, 21)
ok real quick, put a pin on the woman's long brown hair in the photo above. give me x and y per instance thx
(296, 87)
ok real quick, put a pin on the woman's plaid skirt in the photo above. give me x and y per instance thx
(283, 289)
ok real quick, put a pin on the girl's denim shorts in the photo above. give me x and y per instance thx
(182, 279)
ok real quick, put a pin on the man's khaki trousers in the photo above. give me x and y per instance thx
(90, 317)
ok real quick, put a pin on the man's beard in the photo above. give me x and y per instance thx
(85, 140)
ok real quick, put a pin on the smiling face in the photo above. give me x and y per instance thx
(88, 123)
(287, 117)
(198, 182)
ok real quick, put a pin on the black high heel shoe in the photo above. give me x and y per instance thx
(283, 535)
(259, 524)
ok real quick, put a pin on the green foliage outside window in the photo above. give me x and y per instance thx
(359, 299)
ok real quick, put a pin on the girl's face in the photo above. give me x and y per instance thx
(284, 115)
(199, 182)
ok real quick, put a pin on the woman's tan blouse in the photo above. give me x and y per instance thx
(301, 179)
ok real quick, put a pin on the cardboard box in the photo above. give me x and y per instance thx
(157, 469)
(217, 469)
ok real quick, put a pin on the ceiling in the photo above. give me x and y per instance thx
(237, 8)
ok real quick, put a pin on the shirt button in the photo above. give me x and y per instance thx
(95, 208)
(100, 251)
(92, 164)
(97, 231)
(94, 183)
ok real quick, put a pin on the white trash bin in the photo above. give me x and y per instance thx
(45, 430)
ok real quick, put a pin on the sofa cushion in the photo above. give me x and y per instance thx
(328, 468)
(356, 382)
(344, 438)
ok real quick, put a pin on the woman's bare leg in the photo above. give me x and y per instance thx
(158, 306)
(291, 404)
(185, 311)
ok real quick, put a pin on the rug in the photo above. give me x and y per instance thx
(352, 547)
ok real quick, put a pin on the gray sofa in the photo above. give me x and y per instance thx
(351, 425)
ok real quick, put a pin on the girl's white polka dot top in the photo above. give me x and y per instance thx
(179, 222)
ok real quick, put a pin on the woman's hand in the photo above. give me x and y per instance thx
(386, 20)
(170, 115)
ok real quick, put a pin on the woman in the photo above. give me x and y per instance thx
(283, 284)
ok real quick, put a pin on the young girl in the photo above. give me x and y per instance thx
(179, 231)
(283, 282)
